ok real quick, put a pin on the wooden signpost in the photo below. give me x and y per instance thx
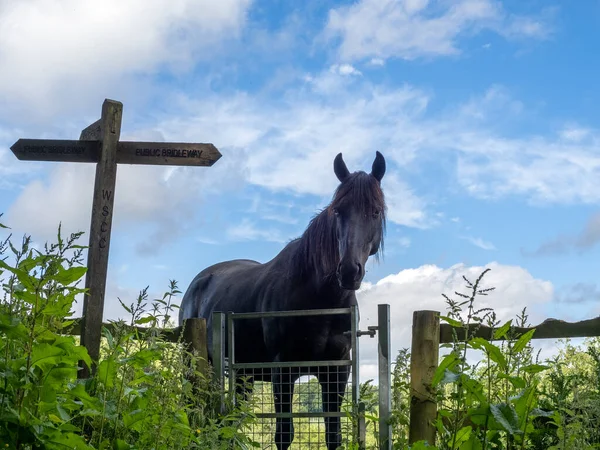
(99, 143)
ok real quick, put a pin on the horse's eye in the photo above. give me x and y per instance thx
(376, 214)
(336, 211)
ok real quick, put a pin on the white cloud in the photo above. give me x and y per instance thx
(421, 289)
(345, 69)
(478, 242)
(313, 122)
(155, 195)
(248, 230)
(288, 145)
(404, 242)
(575, 133)
(404, 207)
(55, 52)
(411, 29)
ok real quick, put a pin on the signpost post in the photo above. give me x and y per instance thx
(99, 143)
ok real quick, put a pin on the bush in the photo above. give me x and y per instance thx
(140, 397)
(490, 395)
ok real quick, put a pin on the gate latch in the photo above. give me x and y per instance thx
(371, 331)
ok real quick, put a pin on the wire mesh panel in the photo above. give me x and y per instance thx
(313, 396)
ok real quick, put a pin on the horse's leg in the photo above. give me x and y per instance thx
(333, 386)
(283, 391)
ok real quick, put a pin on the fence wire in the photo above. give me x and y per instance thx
(306, 411)
(307, 407)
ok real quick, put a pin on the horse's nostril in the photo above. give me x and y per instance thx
(358, 271)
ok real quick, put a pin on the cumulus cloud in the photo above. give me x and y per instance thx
(409, 29)
(404, 207)
(158, 196)
(51, 49)
(421, 288)
(328, 114)
(287, 145)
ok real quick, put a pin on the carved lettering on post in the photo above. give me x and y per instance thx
(101, 223)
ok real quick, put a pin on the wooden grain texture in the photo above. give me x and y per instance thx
(167, 153)
(100, 228)
(548, 329)
(195, 337)
(56, 150)
(93, 132)
(423, 364)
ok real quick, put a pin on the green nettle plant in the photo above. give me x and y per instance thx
(494, 402)
(146, 393)
(142, 395)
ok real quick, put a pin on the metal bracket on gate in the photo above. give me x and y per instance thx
(371, 331)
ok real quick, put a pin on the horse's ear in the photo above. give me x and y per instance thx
(339, 167)
(378, 169)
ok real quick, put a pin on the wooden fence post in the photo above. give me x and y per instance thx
(423, 364)
(194, 335)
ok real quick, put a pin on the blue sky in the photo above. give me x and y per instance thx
(486, 112)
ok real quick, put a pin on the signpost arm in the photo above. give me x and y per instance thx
(100, 228)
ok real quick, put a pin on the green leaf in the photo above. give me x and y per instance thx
(13, 328)
(135, 419)
(82, 354)
(472, 444)
(23, 276)
(440, 372)
(70, 275)
(517, 382)
(120, 444)
(525, 403)
(494, 353)
(144, 320)
(523, 341)
(107, 372)
(479, 415)
(453, 322)
(473, 387)
(506, 416)
(534, 368)
(45, 356)
(462, 436)
(67, 440)
(501, 332)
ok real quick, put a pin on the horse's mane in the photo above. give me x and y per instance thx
(318, 246)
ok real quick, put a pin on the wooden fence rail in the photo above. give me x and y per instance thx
(428, 334)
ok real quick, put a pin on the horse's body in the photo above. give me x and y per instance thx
(321, 269)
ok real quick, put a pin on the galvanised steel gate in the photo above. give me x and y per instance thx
(306, 408)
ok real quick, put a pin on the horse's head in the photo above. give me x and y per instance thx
(358, 208)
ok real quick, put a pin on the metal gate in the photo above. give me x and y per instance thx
(307, 413)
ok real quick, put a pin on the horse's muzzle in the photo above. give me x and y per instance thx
(350, 275)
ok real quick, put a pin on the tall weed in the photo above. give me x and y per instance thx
(141, 396)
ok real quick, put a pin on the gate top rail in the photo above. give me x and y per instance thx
(292, 313)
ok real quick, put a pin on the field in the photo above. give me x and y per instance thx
(142, 396)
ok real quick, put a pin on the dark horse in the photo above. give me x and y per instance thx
(321, 269)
